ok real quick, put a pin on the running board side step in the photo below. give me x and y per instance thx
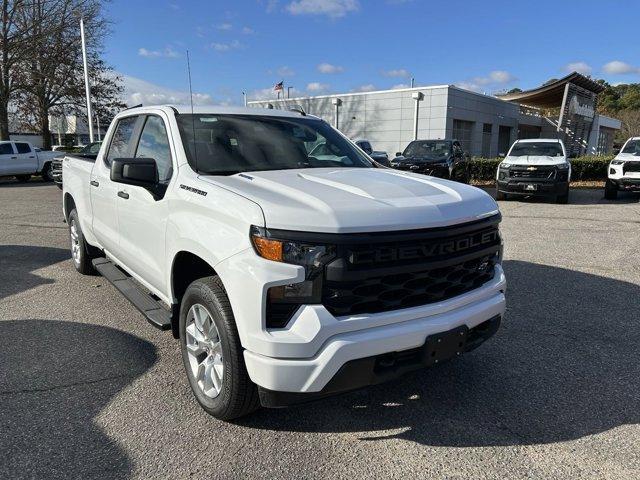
(154, 312)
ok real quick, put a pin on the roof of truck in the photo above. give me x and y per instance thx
(221, 110)
(537, 140)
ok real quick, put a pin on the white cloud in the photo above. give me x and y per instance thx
(369, 87)
(329, 68)
(580, 67)
(225, 26)
(247, 31)
(399, 73)
(400, 86)
(620, 68)
(317, 87)
(496, 78)
(225, 47)
(138, 91)
(330, 8)
(168, 52)
(285, 71)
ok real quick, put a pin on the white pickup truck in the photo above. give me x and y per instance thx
(624, 170)
(22, 160)
(286, 277)
(535, 167)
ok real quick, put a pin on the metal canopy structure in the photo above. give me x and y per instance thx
(552, 94)
(576, 95)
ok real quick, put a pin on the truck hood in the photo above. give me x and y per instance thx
(628, 157)
(348, 200)
(535, 160)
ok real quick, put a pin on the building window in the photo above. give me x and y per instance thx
(605, 141)
(462, 131)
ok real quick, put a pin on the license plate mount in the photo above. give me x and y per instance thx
(444, 346)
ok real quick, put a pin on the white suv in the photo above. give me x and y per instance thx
(624, 170)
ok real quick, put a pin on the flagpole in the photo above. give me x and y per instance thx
(86, 80)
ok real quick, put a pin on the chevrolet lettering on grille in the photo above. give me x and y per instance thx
(424, 250)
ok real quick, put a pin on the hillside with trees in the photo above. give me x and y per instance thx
(623, 102)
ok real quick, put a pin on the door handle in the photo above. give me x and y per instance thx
(14, 158)
(93, 183)
(124, 195)
(31, 156)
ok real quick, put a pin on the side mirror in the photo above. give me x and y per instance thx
(141, 172)
(398, 154)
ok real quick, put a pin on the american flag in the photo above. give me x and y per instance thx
(278, 87)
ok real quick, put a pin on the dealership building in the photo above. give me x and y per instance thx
(485, 125)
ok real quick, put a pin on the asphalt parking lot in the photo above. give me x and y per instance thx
(89, 389)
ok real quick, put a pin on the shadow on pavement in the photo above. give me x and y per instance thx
(18, 263)
(563, 366)
(55, 377)
(9, 182)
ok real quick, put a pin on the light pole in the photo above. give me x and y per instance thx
(337, 102)
(86, 80)
(417, 96)
(289, 92)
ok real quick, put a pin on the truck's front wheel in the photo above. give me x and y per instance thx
(212, 353)
(47, 172)
(610, 190)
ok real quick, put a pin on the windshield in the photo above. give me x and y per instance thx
(633, 147)
(429, 149)
(537, 149)
(229, 144)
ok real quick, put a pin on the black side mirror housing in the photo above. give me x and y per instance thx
(141, 172)
(398, 154)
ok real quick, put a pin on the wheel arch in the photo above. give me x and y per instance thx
(68, 205)
(185, 268)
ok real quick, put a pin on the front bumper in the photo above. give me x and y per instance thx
(627, 183)
(540, 187)
(377, 369)
(330, 342)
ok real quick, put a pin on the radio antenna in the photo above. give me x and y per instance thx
(193, 119)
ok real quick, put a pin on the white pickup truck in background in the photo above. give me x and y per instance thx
(287, 277)
(22, 160)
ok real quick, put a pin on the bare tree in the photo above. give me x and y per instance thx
(12, 46)
(630, 124)
(53, 69)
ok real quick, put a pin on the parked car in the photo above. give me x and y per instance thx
(90, 150)
(436, 158)
(379, 156)
(535, 167)
(22, 160)
(286, 277)
(624, 170)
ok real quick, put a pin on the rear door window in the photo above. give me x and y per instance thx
(6, 149)
(23, 147)
(122, 141)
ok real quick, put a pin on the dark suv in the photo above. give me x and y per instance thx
(437, 158)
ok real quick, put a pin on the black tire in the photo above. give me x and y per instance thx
(238, 395)
(610, 190)
(500, 195)
(23, 178)
(564, 198)
(82, 261)
(47, 172)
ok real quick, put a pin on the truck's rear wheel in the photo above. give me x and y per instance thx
(79, 247)
(47, 172)
(212, 353)
(610, 190)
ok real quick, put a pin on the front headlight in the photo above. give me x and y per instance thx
(563, 166)
(284, 300)
(505, 165)
(617, 162)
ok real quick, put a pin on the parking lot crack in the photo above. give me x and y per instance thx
(68, 385)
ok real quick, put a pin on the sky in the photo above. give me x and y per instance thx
(338, 46)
